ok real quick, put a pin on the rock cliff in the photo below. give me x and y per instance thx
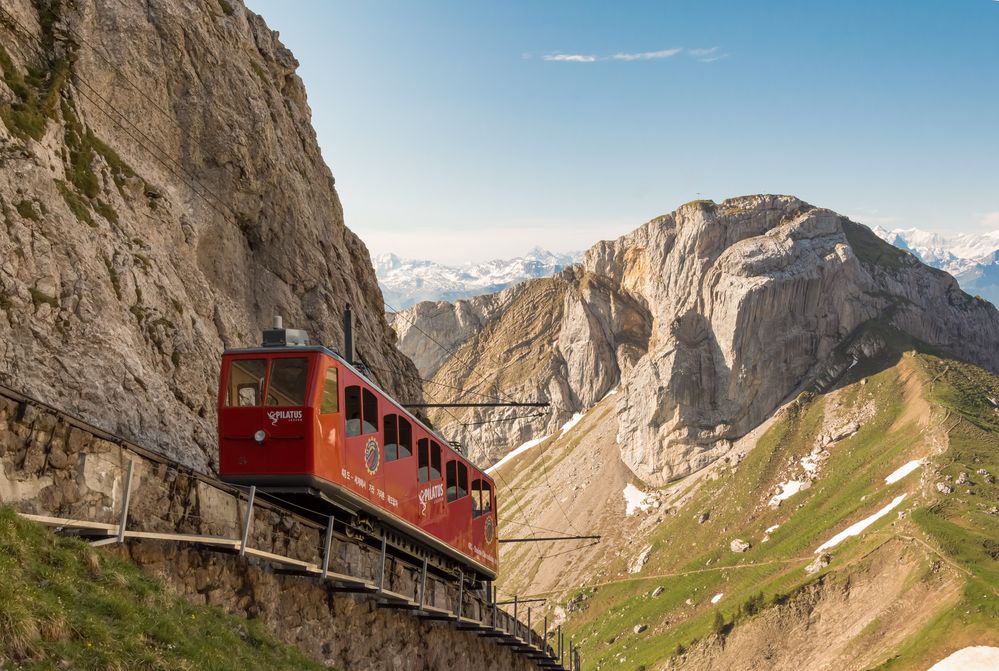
(708, 318)
(162, 196)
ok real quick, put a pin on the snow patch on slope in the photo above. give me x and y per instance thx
(787, 490)
(903, 471)
(635, 499)
(858, 528)
(571, 423)
(516, 452)
(975, 658)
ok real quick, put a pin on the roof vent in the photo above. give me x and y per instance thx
(278, 336)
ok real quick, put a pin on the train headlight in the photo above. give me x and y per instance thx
(259, 436)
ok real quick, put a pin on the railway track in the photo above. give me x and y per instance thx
(406, 576)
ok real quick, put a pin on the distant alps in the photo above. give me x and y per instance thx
(406, 282)
(972, 258)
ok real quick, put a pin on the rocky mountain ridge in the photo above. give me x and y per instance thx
(707, 319)
(163, 196)
(405, 282)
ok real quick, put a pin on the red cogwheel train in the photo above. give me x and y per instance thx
(300, 418)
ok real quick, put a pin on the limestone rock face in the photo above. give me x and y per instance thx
(163, 195)
(708, 318)
(564, 339)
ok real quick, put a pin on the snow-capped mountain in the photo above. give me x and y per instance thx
(406, 282)
(973, 259)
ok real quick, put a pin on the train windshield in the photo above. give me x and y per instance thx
(286, 385)
(246, 383)
(289, 378)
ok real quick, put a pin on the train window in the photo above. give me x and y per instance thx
(457, 480)
(423, 459)
(476, 498)
(482, 498)
(405, 438)
(435, 461)
(391, 437)
(487, 498)
(452, 481)
(288, 380)
(462, 480)
(352, 404)
(246, 382)
(370, 412)
(331, 393)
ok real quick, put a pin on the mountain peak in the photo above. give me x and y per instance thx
(688, 313)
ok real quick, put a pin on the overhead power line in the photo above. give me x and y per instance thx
(478, 405)
(549, 538)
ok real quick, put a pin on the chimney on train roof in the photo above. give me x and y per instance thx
(348, 334)
(278, 336)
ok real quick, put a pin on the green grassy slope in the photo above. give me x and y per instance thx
(65, 605)
(919, 406)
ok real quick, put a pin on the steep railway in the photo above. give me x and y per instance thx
(403, 577)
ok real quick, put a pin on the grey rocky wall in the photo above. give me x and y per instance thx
(162, 196)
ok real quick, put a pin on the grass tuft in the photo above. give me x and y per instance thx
(76, 204)
(36, 95)
(27, 209)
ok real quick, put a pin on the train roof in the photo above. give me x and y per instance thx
(322, 349)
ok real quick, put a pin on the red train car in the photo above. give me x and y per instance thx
(300, 418)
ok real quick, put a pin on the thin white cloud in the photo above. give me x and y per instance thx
(646, 55)
(570, 58)
(702, 55)
(709, 55)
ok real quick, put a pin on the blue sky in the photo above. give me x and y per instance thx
(469, 130)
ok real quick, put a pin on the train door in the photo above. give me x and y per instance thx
(329, 423)
(362, 455)
(483, 522)
(459, 505)
(400, 473)
(431, 507)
